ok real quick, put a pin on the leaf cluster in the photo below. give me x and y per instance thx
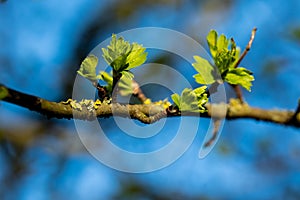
(191, 100)
(225, 57)
(123, 56)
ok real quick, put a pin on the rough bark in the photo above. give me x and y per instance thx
(148, 113)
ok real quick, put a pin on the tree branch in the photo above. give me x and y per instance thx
(147, 113)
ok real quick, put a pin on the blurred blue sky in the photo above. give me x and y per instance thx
(252, 160)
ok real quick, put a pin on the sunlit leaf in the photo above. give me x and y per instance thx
(116, 53)
(226, 55)
(136, 57)
(121, 55)
(125, 85)
(176, 99)
(190, 100)
(205, 71)
(222, 42)
(240, 76)
(106, 77)
(88, 68)
(212, 42)
(127, 74)
(202, 98)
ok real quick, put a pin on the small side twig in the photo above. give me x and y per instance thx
(238, 92)
(102, 93)
(217, 123)
(247, 49)
(137, 91)
(237, 88)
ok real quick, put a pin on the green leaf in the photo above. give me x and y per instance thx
(3, 92)
(106, 77)
(121, 55)
(116, 52)
(176, 99)
(127, 74)
(240, 76)
(191, 100)
(205, 71)
(212, 42)
(222, 42)
(125, 83)
(225, 54)
(88, 68)
(235, 51)
(136, 57)
(200, 90)
(201, 97)
(188, 100)
(125, 86)
(222, 55)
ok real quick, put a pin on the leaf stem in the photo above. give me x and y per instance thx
(115, 89)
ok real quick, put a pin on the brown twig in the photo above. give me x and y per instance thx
(102, 93)
(145, 113)
(137, 91)
(237, 88)
(217, 123)
(247, 49)
(238, 92)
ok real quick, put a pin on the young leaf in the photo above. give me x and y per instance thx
(191, 100)
(136, 57)
(201, 97)
(205, 71)
(222, 42)
(188, 101)
(200, 90)
(127, 74)
(125, 85)
(176, 99)
(116, 52)
(108, 79)
(240, 76)
(121, 55)
(212, 42)
(88, 68)
(226, 55)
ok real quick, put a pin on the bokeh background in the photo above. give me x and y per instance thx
(42, 44)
